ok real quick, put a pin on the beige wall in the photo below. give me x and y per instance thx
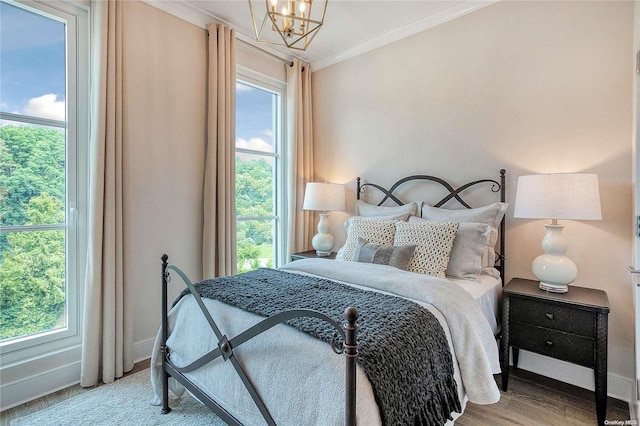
(531, 87)
(164, 94)
(164, 123)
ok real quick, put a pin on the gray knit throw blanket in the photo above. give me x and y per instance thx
(402, 348)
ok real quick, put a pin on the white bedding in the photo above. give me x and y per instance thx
(486, 292)
(299, 377)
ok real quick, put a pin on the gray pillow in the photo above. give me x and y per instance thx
(383, 254)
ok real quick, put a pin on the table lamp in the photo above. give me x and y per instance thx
(554, 196)
(323, 197)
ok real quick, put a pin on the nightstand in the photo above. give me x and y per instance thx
(311, 254)
(568, 326)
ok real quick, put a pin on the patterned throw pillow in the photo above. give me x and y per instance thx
(372, 230)
(470, 251)
(433, 242)
(491, 214)
(383, 254)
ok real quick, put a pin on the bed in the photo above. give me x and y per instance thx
(250, 363)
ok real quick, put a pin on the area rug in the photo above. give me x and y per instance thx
(123, 402)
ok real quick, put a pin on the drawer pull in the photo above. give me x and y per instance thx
(549, 343)
(549, 315)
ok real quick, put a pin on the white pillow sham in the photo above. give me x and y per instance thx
(433, 241)
(364, 209)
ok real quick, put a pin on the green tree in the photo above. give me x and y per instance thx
(32, 274)
(31, 162)
(254, 198)
(32, 263)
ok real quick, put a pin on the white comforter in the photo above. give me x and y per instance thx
(300, 379)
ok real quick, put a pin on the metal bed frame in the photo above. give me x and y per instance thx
(344, 342)
(345, 335)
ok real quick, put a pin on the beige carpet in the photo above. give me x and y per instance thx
(124, 402)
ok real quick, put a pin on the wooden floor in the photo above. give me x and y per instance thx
(532, 400)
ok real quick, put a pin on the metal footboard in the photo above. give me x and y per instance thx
(344, 342)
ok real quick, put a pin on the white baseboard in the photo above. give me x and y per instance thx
(32, 382)
(142, 350)
(617, 387)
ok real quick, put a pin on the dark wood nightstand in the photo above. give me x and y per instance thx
(568, 326)
(311, 254)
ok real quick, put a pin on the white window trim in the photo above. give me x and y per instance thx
(261, 81)
(34, 366)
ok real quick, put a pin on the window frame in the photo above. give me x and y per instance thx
(260, 81)
(77, 36)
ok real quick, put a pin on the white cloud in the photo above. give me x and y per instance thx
(46, 106)
(256, 144)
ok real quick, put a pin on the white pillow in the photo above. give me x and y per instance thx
(433, 241)
(364, 209)
(471, 249)
(373, 230)
(491, 215)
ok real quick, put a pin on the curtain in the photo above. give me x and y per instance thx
(300, 150)
(219, 224)
(107, 345)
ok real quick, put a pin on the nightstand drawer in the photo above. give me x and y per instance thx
(556, 344)
(557, 317)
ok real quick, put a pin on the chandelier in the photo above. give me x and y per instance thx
(287, 22)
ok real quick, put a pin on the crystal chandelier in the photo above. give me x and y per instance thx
(288, 23)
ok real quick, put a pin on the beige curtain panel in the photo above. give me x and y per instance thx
(107, 346)
(300, 149)
(219, 227)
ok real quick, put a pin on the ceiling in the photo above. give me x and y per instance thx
(351, 27)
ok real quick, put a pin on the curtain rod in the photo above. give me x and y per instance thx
(266, 52)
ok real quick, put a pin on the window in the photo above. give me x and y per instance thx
(43, 138)
(259, 182)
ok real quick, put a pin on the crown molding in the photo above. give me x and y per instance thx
(446, 14)
(199, 17)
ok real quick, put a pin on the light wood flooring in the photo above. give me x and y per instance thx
(532, 400)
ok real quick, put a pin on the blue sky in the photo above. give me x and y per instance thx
(32, 71)
(254, 118)
(32, 77)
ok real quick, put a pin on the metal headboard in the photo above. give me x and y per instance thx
(453, 193)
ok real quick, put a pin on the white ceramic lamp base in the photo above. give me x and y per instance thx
(323, 241)
(554, 270)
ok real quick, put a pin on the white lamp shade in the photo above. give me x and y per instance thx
(324, 197)
(573, 196)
